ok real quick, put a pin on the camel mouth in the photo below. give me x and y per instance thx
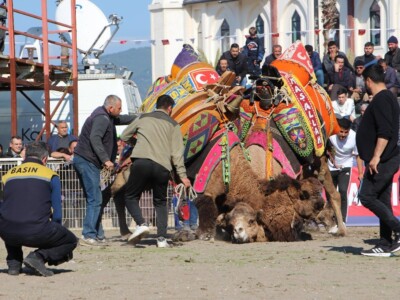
(238, 240)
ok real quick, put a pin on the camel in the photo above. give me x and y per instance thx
(270, 153)
(278, 217)
(246, 195)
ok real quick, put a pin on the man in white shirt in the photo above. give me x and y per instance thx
(344, 106)
(343, 150)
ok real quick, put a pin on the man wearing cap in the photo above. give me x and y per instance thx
(392, 57)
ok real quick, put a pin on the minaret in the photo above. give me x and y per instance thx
(167, 24)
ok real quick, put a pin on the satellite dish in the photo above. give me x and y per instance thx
(91, 25)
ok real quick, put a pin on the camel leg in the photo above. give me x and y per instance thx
(208, 214)
(333, 196)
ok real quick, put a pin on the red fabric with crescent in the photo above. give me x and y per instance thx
(297, 53)
(200, 77)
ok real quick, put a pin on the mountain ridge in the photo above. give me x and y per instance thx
(137, 60)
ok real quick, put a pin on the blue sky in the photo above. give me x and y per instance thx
(135, 25)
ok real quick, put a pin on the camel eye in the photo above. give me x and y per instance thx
(304, 195)
(251, 222)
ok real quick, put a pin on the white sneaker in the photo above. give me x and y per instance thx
(162, 243)
(138, 234)
(89, 242)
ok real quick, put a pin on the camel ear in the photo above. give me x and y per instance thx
(259, 216)
(222, 220)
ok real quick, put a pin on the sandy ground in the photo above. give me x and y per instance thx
(323, 268)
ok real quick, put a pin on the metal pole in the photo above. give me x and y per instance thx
(13, 69)
(46, 69)
(74, 69)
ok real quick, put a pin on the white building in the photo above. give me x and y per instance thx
(212, 25)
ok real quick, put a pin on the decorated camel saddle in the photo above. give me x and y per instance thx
(204, 101)
(299, 114)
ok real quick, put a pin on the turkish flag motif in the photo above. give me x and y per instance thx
(296, 52)
(203, 76)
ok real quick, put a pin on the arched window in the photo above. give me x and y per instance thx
(260, 25)
(296, 27)
(225, 42)
(375, 23)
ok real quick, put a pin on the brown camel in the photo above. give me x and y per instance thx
(248, 194)
(279, 216)
(263, 138)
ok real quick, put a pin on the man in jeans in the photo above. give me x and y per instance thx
(159, 148)
(376, 140)
(97, 149)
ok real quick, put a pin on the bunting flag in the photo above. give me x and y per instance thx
(233, 38)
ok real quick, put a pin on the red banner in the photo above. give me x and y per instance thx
(357, 214)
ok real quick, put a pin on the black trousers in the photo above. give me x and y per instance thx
(341, 179)
(146, 174)
(375, 195)
(55, 243)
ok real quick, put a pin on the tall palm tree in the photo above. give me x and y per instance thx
(330, 16)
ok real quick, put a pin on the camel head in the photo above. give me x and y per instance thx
(242, 224)
(306, 196)
(327, 217)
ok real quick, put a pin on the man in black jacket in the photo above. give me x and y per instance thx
(237, 62)
(377, 146)
(97, 149)
(339, 77)
(392, 57)
(16, 147)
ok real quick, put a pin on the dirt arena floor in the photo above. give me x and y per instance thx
(323, 268)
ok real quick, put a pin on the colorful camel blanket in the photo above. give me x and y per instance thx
(301, 101)
(200, 131)
(211, 161)
(259, 138)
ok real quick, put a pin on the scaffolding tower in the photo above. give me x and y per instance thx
(18, 75)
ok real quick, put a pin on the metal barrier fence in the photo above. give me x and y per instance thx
(74, 203)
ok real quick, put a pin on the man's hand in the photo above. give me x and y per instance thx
(67, 157)
(336, 66)
(373, 165)
(109, 165)
(186, 182)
